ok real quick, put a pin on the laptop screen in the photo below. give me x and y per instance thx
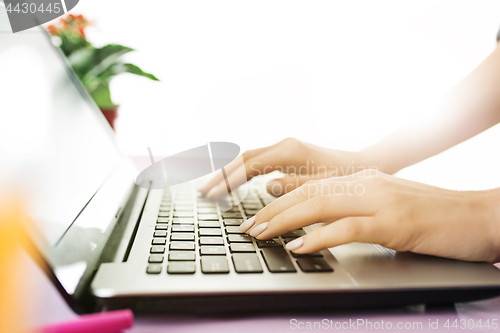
(55, 145)
(46, 110)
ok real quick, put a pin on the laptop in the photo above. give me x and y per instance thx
(108, 243)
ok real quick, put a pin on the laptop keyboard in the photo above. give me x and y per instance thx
(192, 234)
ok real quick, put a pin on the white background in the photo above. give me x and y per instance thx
(341, 74)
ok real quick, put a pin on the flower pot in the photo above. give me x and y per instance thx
(110, 115)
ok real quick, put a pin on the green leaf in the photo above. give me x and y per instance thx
(107, 56)
(137, 71)
(102, 96)
(82, 61)
(120, 68)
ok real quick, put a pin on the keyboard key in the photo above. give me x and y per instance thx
(208, 217)
(277, 260)
(209, 224)
(162, 220)
(207, 210)
(289, 239)
(206, 204)
(275, 242)
(250, 201)
(182, 237)
(214, 265)
(155, 258)
(157, 249)
(181, 256)
(165, 209)
(294, 233)
(183, 214)
(233, 210)
(184, 202)
(246, 263)
(233, 230)
(242, 247)
(188, 208)
(314, 254)
(181, 267)
(158, 241)
(251, 206)
(160, 233)
(183, 221)
(163, 214)
(233, 238)
(210, 232)
(251, 211)
(267, 201)
(204, 250)
(161, 227)
(231, 215)
(313, 264)
(183, 228)
(153, 269)
(182, 245)
(211, 241)
(235, 222)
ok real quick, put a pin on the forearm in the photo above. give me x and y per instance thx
(470, 108)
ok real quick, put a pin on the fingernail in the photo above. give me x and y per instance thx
(258, 229)
(246, 225)
(295, 244)
(211, 192)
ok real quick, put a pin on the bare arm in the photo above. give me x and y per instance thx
(470, 108)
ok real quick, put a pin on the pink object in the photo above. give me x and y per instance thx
(103, 322)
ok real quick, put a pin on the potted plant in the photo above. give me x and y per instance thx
(95, 67)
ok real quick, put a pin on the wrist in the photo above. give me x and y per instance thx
(374, 158)
(492, 219)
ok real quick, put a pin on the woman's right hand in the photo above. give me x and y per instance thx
(301, 162)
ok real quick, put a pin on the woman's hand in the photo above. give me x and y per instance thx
(302, 161)
(373, 207)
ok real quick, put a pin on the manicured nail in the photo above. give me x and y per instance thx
(258, 229)
(246, 225)
(295, 244)
(211, 192)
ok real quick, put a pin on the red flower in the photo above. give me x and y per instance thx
(82, 32)
(52, 29)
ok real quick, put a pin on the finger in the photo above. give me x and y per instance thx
(364, 229)
(276, 207)
(281, 186)
(336, 186)
(324, 208)
(231, 167)
(261, 164)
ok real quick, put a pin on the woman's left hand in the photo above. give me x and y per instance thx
(373, 207)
